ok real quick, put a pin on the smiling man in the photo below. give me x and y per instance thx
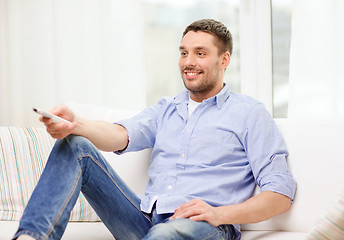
(210, 147)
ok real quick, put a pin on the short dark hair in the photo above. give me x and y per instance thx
(217, 29)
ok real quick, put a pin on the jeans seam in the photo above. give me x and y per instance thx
(58, 217)
(113, 181)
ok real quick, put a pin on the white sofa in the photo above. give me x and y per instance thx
(316, 162)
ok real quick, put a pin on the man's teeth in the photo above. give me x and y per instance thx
(191, 74)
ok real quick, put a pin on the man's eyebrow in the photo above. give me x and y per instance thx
(201, 48)
(196, 48)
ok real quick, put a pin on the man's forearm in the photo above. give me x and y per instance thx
(256, 209)
(104, 135)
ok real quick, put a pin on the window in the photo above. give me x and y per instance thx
(281, 34)
(264, 56)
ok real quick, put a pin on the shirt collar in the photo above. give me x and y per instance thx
(219, 99)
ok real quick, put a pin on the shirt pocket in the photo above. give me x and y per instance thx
(225, 135)
(215, 147)
(229, 142)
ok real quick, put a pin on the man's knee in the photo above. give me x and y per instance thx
(74, 144)
(161, 231)
(78, 141)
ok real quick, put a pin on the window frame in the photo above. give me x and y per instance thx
(256, 51)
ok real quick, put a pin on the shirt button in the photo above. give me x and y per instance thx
(169, 187)
(183, 155)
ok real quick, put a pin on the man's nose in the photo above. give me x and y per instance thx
(190, 60)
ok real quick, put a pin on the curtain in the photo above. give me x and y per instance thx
(60, 51)
(317, 60)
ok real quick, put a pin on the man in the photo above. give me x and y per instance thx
(210, 148)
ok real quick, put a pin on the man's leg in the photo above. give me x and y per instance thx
(186, 229)
(75, 165)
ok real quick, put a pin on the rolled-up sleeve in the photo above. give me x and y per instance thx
(267, 153)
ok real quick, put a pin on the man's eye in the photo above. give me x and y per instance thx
(201, 54)
(183, 53)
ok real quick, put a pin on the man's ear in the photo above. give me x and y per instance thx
(226, 58)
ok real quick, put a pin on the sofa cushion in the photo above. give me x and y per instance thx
(331, 226)
(23, 154)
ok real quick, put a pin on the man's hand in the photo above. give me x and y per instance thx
(198, 210)
(60, 130)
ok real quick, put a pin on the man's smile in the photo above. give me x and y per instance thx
(192, 74)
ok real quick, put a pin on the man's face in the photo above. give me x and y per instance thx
(200, 64)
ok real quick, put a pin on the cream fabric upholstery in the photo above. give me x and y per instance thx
(23, 154)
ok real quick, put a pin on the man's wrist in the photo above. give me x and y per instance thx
(222, 215)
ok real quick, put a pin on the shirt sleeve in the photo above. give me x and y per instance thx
(267, 153)
(142, 128)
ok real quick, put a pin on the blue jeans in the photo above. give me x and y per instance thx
(76, 165)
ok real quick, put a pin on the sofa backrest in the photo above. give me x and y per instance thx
(317, 163)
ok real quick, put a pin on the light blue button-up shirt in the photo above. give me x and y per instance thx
(229, 144)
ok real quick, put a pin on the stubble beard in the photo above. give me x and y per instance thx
(201, 88)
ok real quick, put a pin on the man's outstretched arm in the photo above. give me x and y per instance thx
(104, 135)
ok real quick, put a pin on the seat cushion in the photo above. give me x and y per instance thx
(98, 231)
(74, 230)
(272, 235)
